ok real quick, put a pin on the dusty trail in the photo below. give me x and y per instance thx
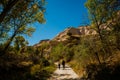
(66, 74)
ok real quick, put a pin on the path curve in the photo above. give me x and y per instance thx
(66, 74)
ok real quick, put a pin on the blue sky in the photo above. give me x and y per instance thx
(59, 15)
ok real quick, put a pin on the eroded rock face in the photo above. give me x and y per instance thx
(71, 31)
(76, 32)
(65, 37)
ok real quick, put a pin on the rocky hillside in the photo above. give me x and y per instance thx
(67, 33)
(76, 32)
(71, 31)
(42, 42)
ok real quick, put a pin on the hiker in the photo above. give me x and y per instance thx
(63, 64)
(59, 65)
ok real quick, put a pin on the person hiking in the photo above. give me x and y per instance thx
(63, 64)
(59, 65)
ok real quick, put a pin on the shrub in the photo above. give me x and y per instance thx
(36, 68)
(103, 72)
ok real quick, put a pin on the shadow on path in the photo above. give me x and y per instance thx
(64, 74)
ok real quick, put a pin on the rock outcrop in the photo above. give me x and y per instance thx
(71, 31)
(76, 32)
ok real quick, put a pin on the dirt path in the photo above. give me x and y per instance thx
(66, 74)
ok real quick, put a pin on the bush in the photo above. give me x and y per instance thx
(103, 72)
(36, 68)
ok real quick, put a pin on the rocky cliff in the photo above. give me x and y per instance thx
(76, 32)
(71, 31)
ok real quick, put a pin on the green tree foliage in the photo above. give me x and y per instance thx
(103, 14)
(16, 17)
(94, 51)
(85, 51)
(68, 53)
(43, 50)
(100, 11)
(57, 52)
(20, 43)
(8, 7)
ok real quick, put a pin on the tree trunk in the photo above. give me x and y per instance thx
(97, 56)
(7, 9)
(7, 45)
(9, 41)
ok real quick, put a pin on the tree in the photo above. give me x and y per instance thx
(18, 17)
(43, 49)
(6, 5)
(102, 13)
(20, 43)
(58, 52)
(68, 53)
(88, 50)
